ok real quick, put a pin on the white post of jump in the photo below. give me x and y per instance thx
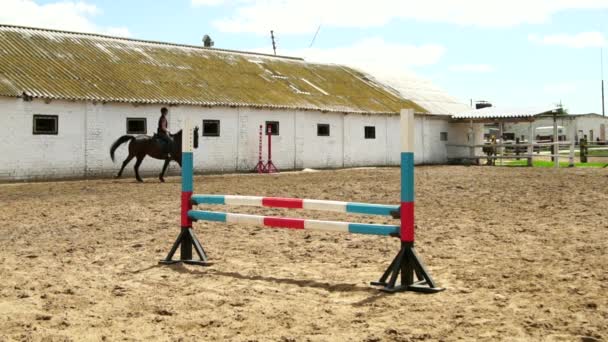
(407, 263)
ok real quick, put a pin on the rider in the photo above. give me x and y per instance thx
(163, 132)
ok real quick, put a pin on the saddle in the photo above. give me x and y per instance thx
(165, 141)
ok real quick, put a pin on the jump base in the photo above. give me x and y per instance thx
(187, 241)
(407, 264)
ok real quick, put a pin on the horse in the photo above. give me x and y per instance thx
(142, 145)
(490, 150)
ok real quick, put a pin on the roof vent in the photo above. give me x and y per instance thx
(207, 41)
(482, 104)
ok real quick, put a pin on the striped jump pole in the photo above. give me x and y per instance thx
(296, 223)
(297, 203)
(186, 238)
(407, 264)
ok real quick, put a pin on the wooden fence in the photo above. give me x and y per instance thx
(528, 151)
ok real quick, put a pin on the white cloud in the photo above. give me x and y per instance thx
(207, 2)
(580, 40)
(304, 16)
(372, 54)
(61, 15)
(561, 88)
(478, 68)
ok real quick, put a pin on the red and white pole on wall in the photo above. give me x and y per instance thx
(186, 238)
(270, 168)
(407, 265)
(260, 167)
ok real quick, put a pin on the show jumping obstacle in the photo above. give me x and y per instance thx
(269, 167)
(405, 266)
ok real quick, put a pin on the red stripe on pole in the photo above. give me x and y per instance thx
(279, 202)
(283, 222)
(407, 221)
(186, 206)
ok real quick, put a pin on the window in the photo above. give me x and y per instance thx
(323, 130)
(46, 124)
(211, 128)
(443, 136)
(274, 127)
(370, 132)
(137, 126)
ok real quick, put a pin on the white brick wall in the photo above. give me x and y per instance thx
(25, 155)
(359, 151)
(319, 151)
(87, 130)
(458, 133)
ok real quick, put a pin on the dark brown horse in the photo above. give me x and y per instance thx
(143, 145)
(490, 151)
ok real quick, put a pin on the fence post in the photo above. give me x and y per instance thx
(583, 150)
(530, 143)
(572, 143)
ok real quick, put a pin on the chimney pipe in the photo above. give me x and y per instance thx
(207, 41)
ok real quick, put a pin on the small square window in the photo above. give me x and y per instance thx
(137, 126)
(323, 130)
(46, 124)
(443, 136)
(211, 128)
(273, 126)
(370, 132)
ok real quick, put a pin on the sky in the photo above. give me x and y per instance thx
(514, 54)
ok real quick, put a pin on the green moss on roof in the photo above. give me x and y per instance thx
(75, 66)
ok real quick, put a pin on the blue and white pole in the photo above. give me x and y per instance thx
(187, 177)
(407, 176)
(407, 265)
(186, 239)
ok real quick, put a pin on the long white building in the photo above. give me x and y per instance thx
(66, 97)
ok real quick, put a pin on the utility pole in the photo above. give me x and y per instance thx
(274, 46)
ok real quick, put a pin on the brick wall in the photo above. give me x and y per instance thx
(87, 130)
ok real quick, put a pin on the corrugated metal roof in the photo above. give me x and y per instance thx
(420, 91)
(500, 113)
(78, 66)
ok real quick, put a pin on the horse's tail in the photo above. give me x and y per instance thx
(119, 142)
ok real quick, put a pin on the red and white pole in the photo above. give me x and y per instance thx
(270, 168)
(260, 167)
(269, 133)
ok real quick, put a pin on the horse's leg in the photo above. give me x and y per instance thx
(137, 164)
(162, 173)
(124, 164)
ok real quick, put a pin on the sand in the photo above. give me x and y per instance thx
(521, 252)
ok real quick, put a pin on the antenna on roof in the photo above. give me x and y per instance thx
(602, 70)
(315, 36)
(274, 46)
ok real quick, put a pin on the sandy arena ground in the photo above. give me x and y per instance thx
(522, 253)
